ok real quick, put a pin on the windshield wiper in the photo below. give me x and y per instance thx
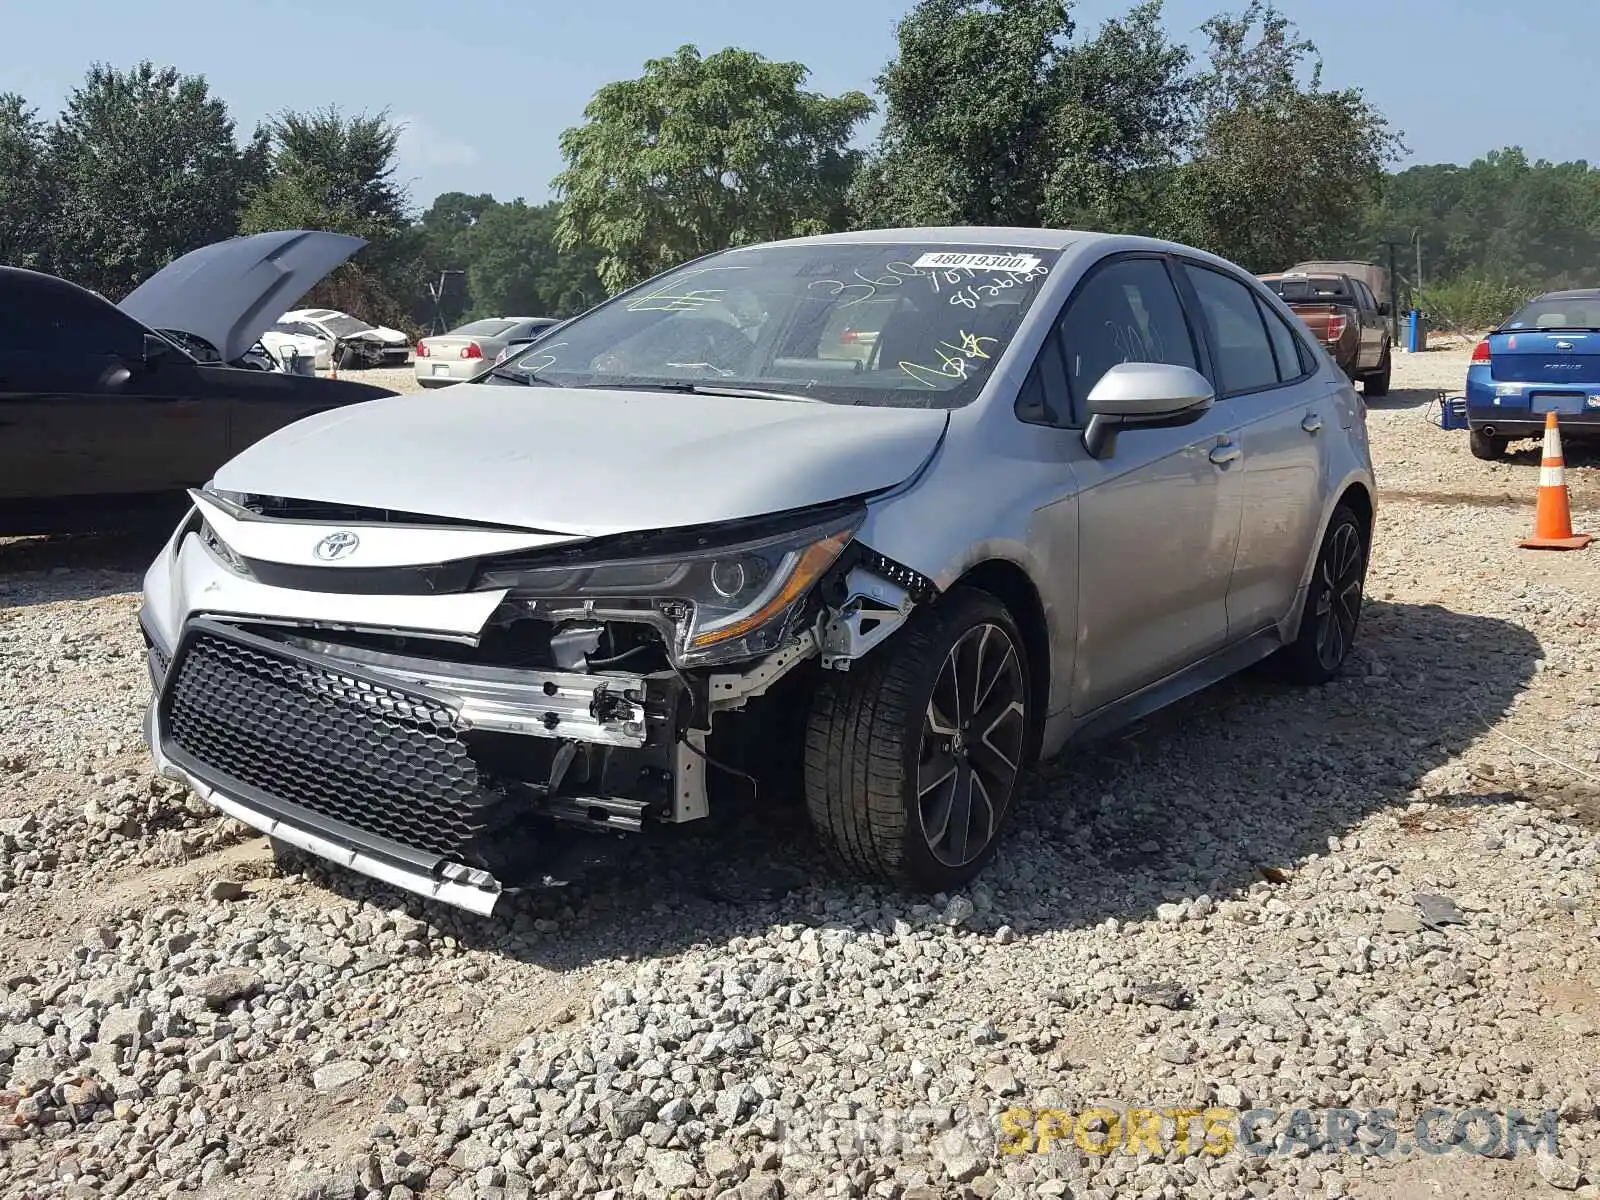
(703, 389)
(525, 378)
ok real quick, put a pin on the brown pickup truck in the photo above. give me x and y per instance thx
(1342, 313)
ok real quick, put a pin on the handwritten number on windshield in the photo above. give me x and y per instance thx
(968, 296)
(542, 361)
(867, 287)
(956, 360)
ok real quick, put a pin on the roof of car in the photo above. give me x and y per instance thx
(960, 235)
(1275, 276)
(1571, 294)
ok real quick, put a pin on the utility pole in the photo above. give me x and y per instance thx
(436, 293)
(1394, 294)
(1416, 236)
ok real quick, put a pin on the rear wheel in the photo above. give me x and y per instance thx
(1485, 447)
(1333, 603)
(914, 758)
(1376, 383)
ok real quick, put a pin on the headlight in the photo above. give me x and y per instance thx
(727, 601)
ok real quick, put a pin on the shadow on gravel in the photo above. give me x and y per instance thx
(51, 569)
(1246, 776)
(1403, 398)
(1577, 452)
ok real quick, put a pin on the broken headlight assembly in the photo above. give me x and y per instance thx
(724, 598)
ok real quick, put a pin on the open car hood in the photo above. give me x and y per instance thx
(230, 293)
(587, 463)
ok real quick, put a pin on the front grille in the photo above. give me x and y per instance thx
(295, 732)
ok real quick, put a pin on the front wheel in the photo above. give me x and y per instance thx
(1333, 603)
(914, 758)
(1485, 447)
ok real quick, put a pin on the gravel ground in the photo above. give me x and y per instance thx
(1218, 908)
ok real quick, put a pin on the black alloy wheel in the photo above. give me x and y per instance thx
(972, 743)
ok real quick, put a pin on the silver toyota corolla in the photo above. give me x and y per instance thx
(945, 497)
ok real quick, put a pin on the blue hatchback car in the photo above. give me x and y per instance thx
(1544, 358)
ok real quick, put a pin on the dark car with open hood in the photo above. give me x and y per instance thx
(108, 413)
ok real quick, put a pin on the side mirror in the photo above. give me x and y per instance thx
(1383, 308)
(1141, 395)
(156, 348)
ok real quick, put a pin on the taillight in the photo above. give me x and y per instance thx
(422, 349)
(1480, 352)
(471, 350)
(1335, 327)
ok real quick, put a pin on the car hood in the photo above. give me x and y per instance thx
(389, 337)
(587, 462)
(230, 292)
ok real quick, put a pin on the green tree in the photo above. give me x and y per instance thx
(703, 153)
(28, 198)
(1122, 110)
(333, 172)
(442, 248)
(1500, 218)
(1279, 171)
(995, 115)
(329, 171)
(148, 169)
(515, 266)
(967, 114)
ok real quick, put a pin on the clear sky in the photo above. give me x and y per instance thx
(486, 86)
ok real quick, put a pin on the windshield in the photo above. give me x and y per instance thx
(1558, 312)
(1311, 291)
(902, 323)
(487, 327)
(343, 326)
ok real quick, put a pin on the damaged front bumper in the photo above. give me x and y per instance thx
(444, 779)
(429, 775)
(451, 883)
(385, 733)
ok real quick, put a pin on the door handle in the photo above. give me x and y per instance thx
(1224, 453)
(1312, 423)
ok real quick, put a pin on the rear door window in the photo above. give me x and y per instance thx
(1240, 345)
(1286, 348)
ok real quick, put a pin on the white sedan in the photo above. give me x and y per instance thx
(471, 349)
(372, 345)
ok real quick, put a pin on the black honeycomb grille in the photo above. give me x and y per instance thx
(383, 761)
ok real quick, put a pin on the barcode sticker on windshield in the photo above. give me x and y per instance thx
(976, 262)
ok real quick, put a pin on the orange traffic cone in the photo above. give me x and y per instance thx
(1552, 521)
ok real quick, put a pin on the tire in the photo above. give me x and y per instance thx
(1376, 383)
(875, 733)
(1332, 611)
(1485, 447)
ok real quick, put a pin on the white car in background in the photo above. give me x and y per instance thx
(469, 350)
(288, 340)
(373, 345)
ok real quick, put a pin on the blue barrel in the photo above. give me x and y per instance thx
(1417, 337)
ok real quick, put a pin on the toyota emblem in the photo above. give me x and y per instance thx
(337, 545)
